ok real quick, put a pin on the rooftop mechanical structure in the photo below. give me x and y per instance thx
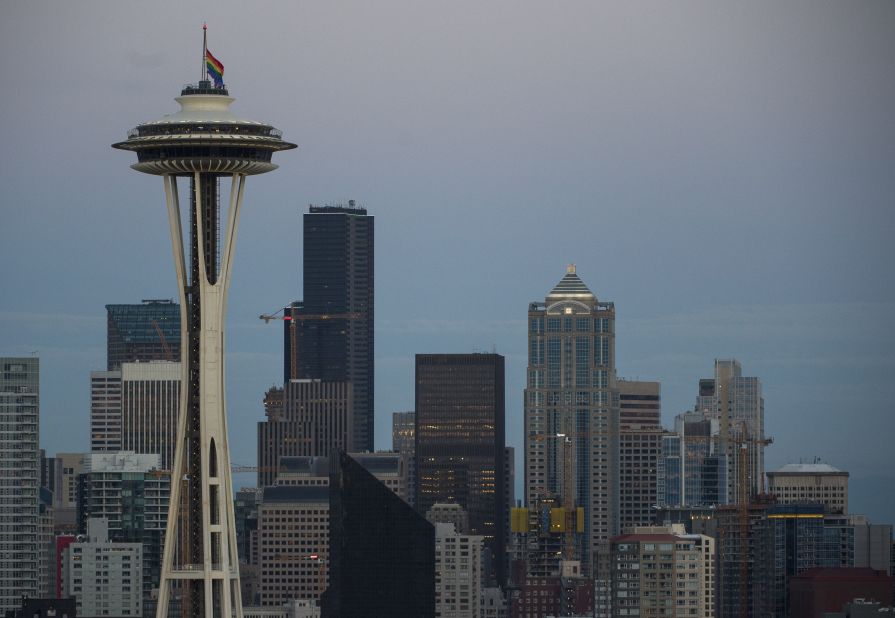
(205, 143)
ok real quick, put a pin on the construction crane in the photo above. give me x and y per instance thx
(169, 355)
(294, 317)
(743, 498)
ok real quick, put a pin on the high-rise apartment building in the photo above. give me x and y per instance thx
(141, 333)
(659, 571)
(460, 444)
(404, 442)
(381, 551)
(572, 410)
(737, 403)
(329, 333)
(313, 419)
(458, 573)
(20, 480)
(131, 492)
(105, 577)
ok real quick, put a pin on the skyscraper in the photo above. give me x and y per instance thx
(640, 448)
(313, 419)
(329, 333)
(105, 410)
(144, 332)
(460, 443)
(737, 403)
(150, 400)
(204, 142)
(20, 480)
(572, 410)
(404, 442)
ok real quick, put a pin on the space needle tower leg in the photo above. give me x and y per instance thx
(201, 520)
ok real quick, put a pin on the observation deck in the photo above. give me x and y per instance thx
(204, 136)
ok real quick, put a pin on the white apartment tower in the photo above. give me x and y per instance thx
(105, 578)
(19, 480)
(458, 573)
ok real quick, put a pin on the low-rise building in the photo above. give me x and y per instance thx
(106, 578)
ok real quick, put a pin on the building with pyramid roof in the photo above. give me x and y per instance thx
(571, 419)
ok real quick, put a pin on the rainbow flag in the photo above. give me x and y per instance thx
(215, 69)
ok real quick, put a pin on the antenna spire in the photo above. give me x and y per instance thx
(204, 51)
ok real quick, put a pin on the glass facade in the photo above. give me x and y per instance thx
(460, 443)
(140, 333)
(382, 552)
(571, 410)
(333, 324)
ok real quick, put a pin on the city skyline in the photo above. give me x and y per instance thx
(746, 247)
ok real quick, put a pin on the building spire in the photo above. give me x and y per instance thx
(204, 51)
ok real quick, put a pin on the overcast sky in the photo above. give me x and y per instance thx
(723, 172)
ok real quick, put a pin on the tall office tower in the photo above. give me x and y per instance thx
(808, 483)
(662, 571)
(640, 449)
(314, 419)
(691, 472)
(20, 480)
(150, 399)
(330, 331)
(293, 523)
(572, 411)
(204, 142)
(458, 573)
(105, 577)
(105, 411)
(460, 446)
(381, 551)
(640, 404)
(404, 442)
(293, 535)
(131, 493)
(736, 402)
(141, 333)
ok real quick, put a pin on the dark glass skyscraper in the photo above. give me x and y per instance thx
(329, 333)
(145, 332)
(460, 443)
(381, 551)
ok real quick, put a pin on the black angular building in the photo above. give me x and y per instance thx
(460, 444)
(381, 551)
(329, 333)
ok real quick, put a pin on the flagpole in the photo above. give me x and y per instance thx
(204, 51)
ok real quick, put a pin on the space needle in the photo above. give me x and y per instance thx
(204, 142)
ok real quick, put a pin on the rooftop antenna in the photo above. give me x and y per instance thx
(204, 51)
